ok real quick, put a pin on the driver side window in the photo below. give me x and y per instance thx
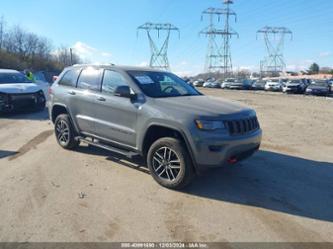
(111, 81)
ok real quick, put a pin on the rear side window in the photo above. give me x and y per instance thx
(70, 78)
(90, 78)
(112, 80)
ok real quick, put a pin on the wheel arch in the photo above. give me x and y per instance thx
(156, 131)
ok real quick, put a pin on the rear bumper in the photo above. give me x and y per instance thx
(217, 152)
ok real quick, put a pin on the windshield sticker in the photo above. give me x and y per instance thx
(144, 79)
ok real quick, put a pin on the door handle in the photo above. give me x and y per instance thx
(72, 93)
(101, 99)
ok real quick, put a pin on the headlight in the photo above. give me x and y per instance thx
(309, 90)
(209, 125)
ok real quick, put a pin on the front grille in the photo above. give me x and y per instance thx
(241, 127)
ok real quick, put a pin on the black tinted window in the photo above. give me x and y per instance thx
(70, 78)
(112, 80)
(90, 78)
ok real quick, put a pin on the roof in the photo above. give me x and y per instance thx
(8, 71)
(124, 68)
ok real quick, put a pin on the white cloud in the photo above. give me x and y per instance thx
(325, 54)
(91, 54)
(143, 64)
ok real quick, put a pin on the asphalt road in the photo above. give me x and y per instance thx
(283, 193)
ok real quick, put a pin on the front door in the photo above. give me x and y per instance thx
(115, 116)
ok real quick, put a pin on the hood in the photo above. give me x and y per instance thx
(18, 88)
(293, 84)
(273, 84)
(316, 87)
(202, 106)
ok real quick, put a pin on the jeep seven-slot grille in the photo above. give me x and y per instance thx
(243, 126)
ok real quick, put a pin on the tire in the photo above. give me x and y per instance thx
(175, 171)
(65, 133)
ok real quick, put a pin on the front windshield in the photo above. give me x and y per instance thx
(11, 78)
(162, 84)
(320, 83)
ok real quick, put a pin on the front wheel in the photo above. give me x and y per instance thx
(170, 164)
(65, 133)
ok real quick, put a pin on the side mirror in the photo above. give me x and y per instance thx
(124, 91)
(54, 78)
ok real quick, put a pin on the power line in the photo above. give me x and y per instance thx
(159, 54)
(274, 41)
(218, 57)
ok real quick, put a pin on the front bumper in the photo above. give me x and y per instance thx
(273, 88)
(292, 91)
(13, 102)
(218, 151)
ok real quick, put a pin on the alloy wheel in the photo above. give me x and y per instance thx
(166, 164)
(62, 130)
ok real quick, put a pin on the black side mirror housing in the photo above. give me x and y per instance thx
(124, 91)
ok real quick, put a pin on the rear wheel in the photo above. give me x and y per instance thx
(65, 133)
(170, 164)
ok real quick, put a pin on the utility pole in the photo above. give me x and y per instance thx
(71, 55)
(2, 31)
(274, 38)
(218, 57)
(159, 54)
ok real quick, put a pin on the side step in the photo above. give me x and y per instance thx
(128, 154)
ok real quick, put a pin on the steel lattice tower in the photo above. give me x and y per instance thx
(159, 54)
(218, 56)
(274, 38)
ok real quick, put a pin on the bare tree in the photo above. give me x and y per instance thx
(2, 30)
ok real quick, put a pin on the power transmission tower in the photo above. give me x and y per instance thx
(218, 56)
(274, 38)
(159, 54)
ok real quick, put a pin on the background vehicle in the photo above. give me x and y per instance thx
(259, 85)
(274, 85)
(213, 84)
(198, 83)
(318, 87)
(226, 83)
(241, 84)
(153, 114)
(294, 86)
(18, 93)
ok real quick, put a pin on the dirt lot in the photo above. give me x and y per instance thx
(283, 193)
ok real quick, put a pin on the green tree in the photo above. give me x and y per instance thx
(314, 68)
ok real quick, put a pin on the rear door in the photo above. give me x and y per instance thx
(115, 116)
(83, 100)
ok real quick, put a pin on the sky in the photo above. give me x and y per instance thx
(105, 30)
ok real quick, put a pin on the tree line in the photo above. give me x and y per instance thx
(21, 49)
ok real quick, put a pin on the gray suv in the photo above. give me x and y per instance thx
(153, 114)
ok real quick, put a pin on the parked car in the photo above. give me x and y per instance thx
(259, 85)
(274, 85)
(198, 83)
(330, 82)
(214, 84)
(19, 93)
(154, 114)
(226, 83)
(294, 86)
(241, 84)
(318, 87)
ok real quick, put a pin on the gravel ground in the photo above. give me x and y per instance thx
(283, 193)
